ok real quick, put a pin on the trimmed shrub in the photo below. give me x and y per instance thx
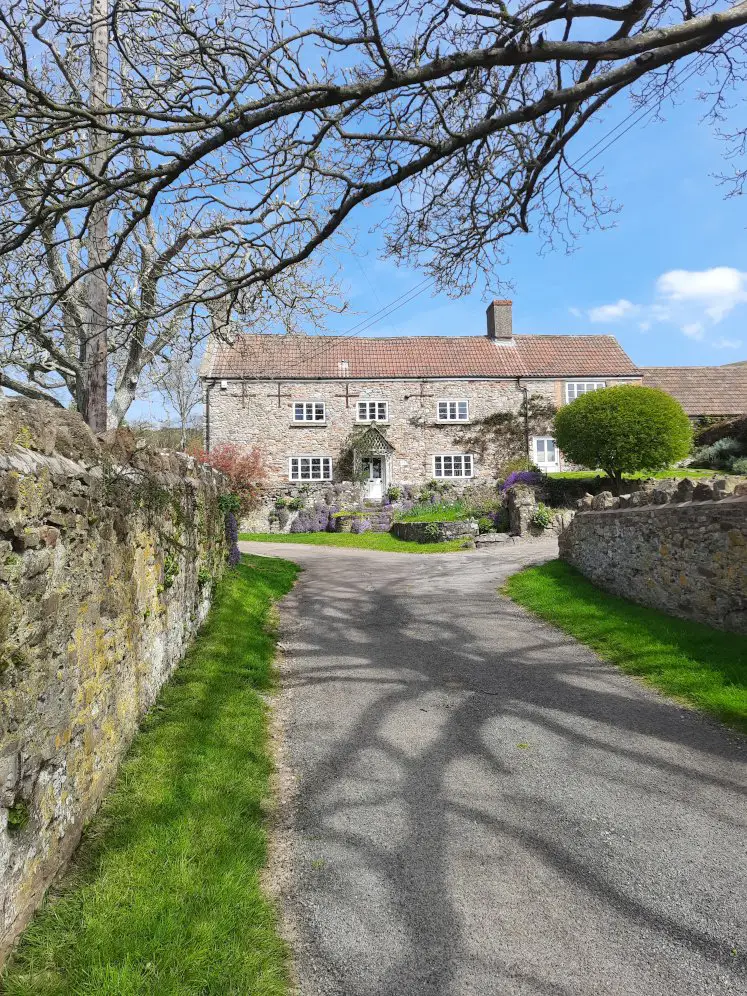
(623, 430)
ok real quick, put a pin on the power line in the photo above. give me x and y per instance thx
(639, 113)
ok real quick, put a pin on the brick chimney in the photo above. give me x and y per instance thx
(500, 322)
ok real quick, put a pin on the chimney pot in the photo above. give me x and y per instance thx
(500, 321)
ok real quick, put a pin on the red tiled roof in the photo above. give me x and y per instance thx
(285, 357)
(703, 390)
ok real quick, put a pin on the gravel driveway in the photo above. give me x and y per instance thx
(484, 807)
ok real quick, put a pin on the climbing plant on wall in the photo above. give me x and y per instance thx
(506, 432)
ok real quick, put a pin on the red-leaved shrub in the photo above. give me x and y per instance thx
(243, 468)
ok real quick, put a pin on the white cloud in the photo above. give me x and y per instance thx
(694, 300)
(576, 312)
(727, 343)
(717, 291)
(694, 330)
(613, 312)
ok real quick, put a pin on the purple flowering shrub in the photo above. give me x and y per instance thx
(522, 477)
(359, 525)
(232, 537)
(302, 522)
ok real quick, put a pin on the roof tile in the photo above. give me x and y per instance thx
(703, 390)
(286, 357)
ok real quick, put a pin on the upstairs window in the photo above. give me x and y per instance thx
(310, 468)
(575, 389)
(373, 411)
(308, 411)
(452, 465)
(452, 410)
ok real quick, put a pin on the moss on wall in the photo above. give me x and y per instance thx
(102, 587)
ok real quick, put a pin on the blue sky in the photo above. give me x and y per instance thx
(668, 279)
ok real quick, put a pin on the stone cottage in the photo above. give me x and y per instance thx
(391, 411)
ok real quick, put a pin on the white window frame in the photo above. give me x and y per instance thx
(464, 458)
(587, 385)
(368, 402)
(325, 468)
(310, 412)
(452, 404)
(545, 463)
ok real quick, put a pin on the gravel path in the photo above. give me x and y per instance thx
(484, 807)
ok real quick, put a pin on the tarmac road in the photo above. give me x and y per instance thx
(484, 807)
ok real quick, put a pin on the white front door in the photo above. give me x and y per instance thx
(546, 453)
(373, 471)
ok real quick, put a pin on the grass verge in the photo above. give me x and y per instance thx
(164, 895)
(691, 662)
(362, 541)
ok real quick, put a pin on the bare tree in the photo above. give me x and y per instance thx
(286, 117)
(80, 323)
(175, 381)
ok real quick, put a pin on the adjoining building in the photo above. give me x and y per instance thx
(704, 392)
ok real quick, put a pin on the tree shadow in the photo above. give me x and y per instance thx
(455, 756)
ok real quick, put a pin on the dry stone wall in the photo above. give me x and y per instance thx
(686, 558)
(108, 557)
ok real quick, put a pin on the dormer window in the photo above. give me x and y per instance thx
(373, 411)
(452, 410)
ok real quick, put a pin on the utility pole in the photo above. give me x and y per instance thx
(94, 350)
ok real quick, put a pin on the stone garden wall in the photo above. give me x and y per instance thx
(435, 532)
(687, 558)
(108, 557)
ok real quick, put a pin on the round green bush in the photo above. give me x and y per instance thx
(623, 430)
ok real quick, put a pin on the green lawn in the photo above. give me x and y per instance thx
(164, 896)
(361, 541)
(691, 662)
(580, 475)
(442, 512)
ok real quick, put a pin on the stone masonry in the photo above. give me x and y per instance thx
(108, 554)
(686, 558)
(249, 414)
(252, 383)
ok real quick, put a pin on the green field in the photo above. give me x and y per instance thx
(693, 663)
(164, 895)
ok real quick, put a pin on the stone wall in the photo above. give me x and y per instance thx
(435, 532)
(688, 559)
(259, 413)
(108, 557)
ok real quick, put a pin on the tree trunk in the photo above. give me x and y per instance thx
(94, 352)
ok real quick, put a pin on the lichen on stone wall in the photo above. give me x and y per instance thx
(104, 550)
